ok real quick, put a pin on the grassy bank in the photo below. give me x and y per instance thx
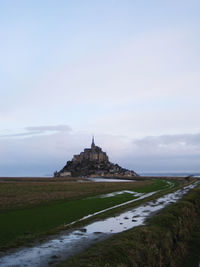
(192, 258)
(165, 241)
(19, 226)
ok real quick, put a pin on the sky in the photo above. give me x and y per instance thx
(126, 72)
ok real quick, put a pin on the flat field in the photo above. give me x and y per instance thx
(34, 208)
(28, 192)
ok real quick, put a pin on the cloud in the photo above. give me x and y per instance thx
(58, 128)
(20, 134)
(166, 153)
(38, 130)
(183, 144)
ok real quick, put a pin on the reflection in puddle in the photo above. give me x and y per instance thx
(68, 244)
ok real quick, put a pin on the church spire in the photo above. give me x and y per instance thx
(93, 144)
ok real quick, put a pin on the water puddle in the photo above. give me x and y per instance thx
(170, 184)
(70, 243)
(107, 180)
(135, 194)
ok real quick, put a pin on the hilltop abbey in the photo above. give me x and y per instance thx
(93, 162)
(94, 153)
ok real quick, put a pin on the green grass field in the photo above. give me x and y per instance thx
(158, 184)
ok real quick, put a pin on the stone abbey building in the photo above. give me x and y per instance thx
(94, 153)
(93, 162)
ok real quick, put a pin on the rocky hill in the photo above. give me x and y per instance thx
(93, 162)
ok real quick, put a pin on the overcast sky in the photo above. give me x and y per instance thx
(127, 71)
